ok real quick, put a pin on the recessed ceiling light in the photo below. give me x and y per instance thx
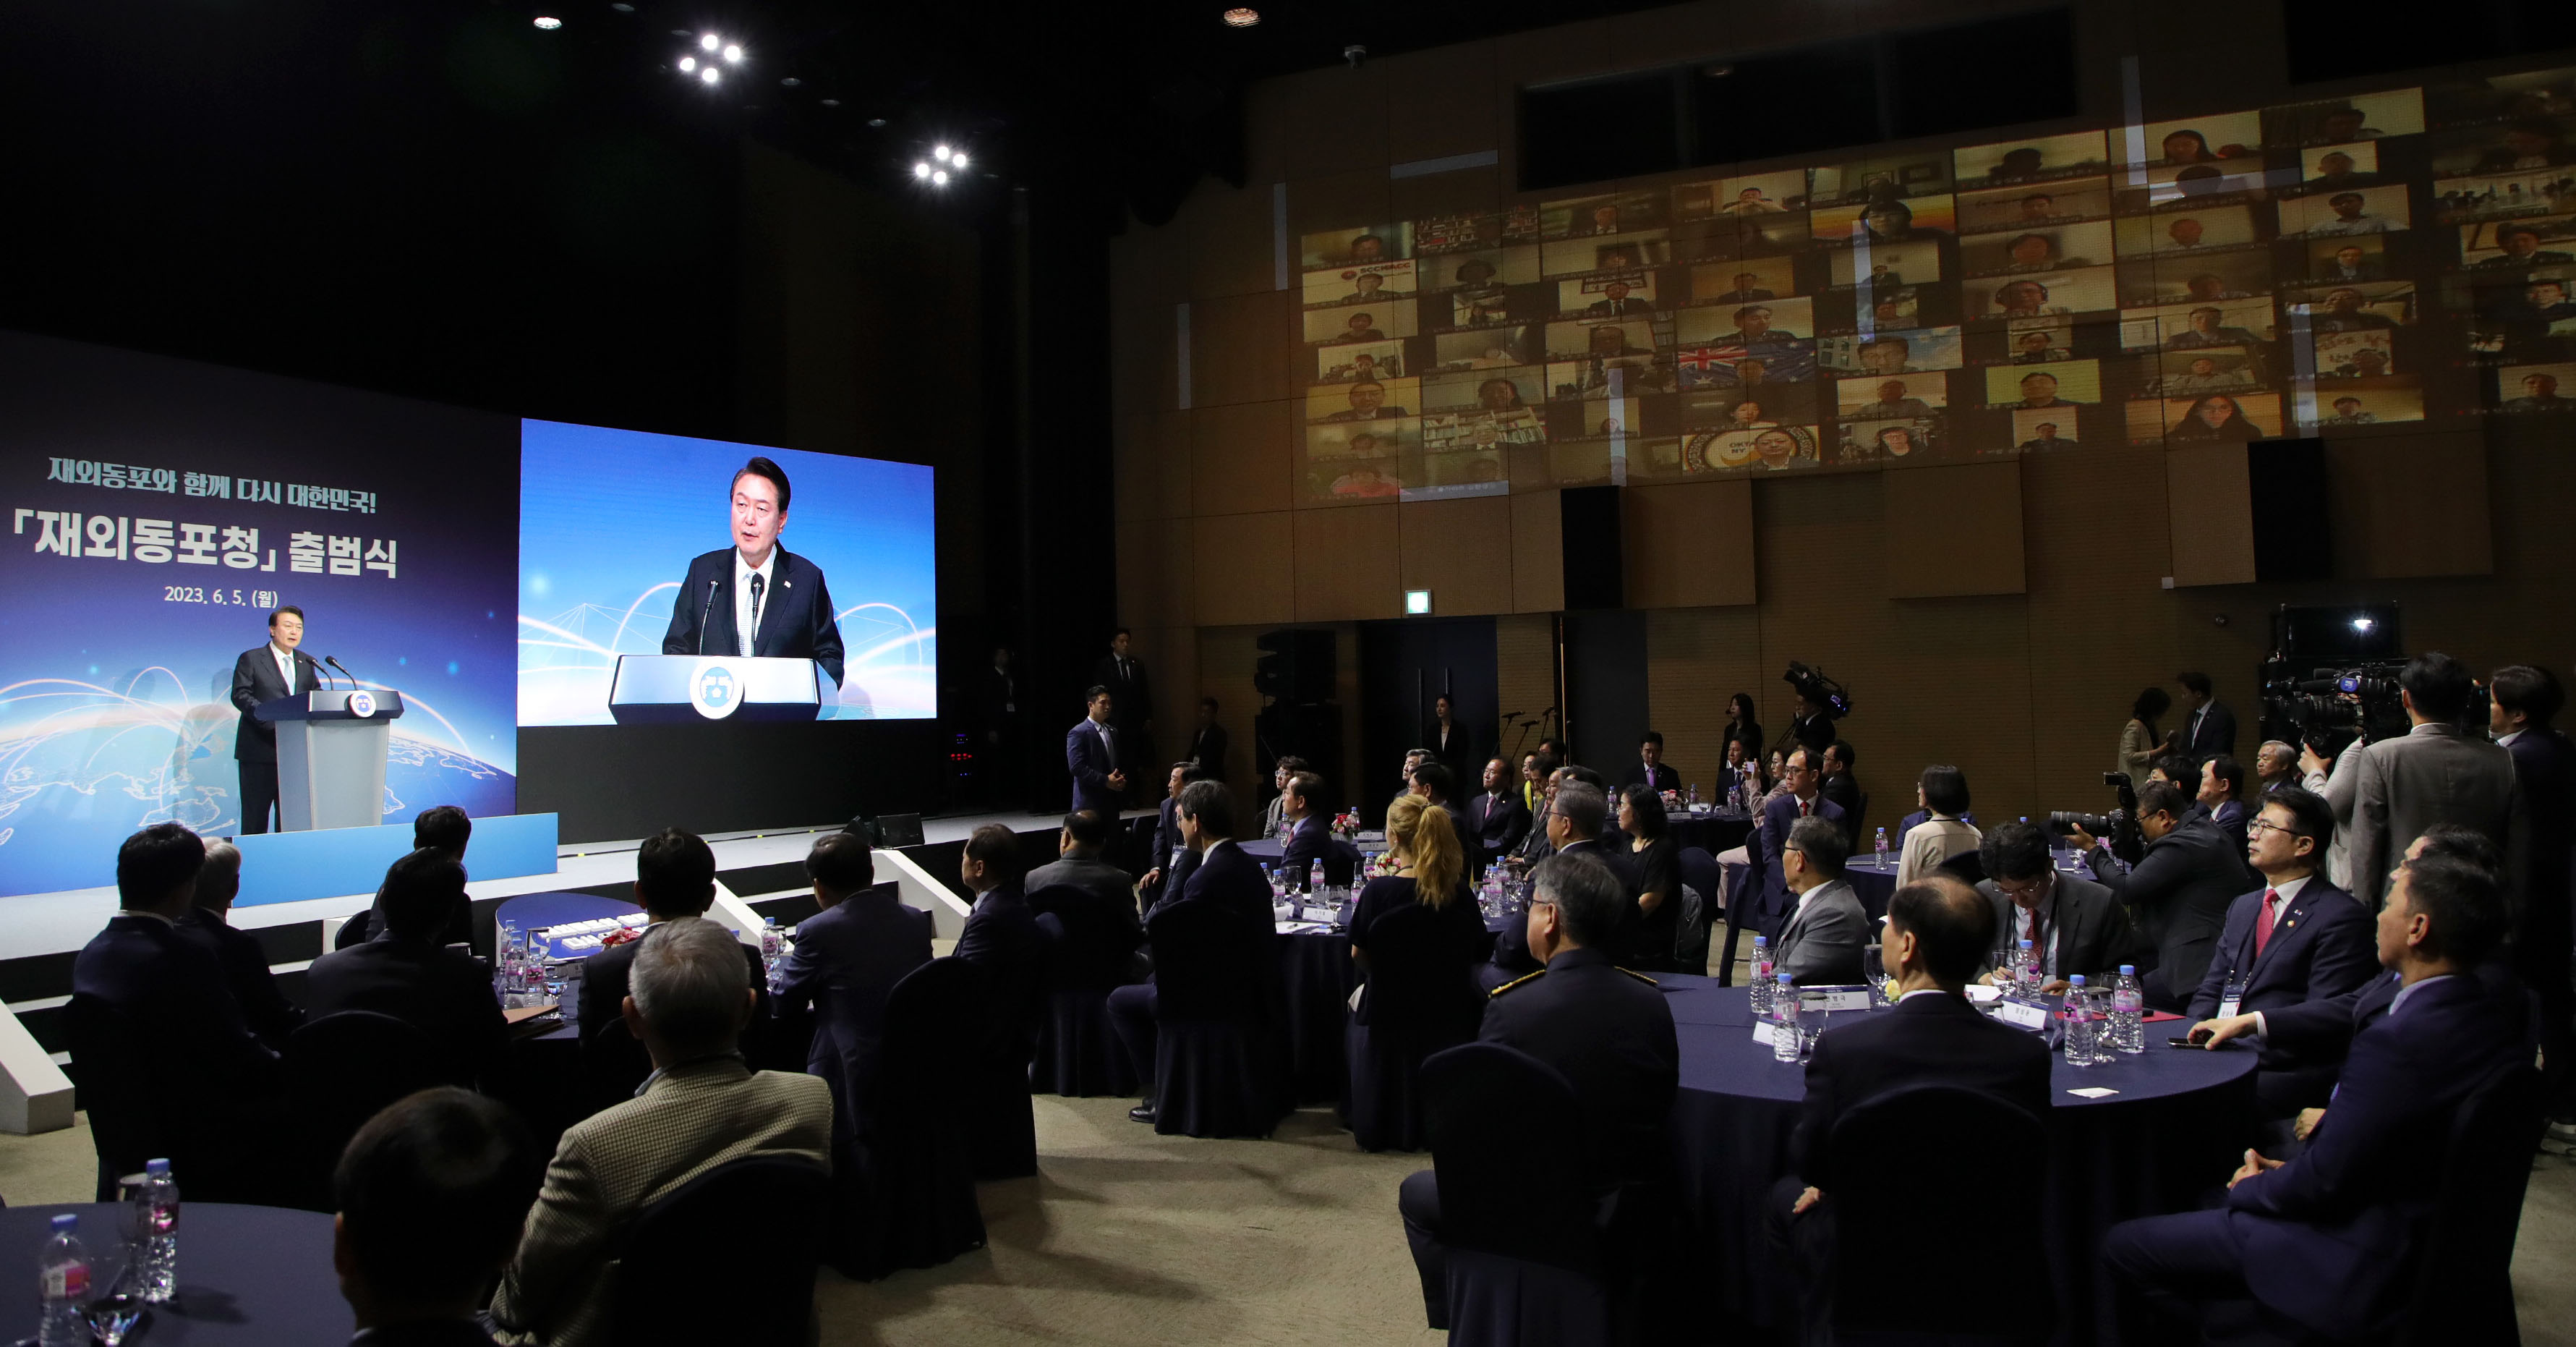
(548, 22)
(831, 102)
(682, 32)
(872, 121)
(920, 169)
(710, 41)
(1242, 16)
(939, 177)
(622, 7)
(790, 82)
(688, 65)
(733, 53)
(710, 74)
(959, 159)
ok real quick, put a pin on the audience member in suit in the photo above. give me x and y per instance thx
(2074, 923)
(2276, 764)
(2522, 709)
(2208, 728)
(1171, 863)
(1131, 696)
(1497, 818)
(1450, 743)
(1001, 937)
(2178, 893)
(2298, 938)
(1655, 858)
(1799, 797)
(245, 962)
(1742, 773)
(1614, 839)
(406, 974)
(702, 1106)
(847, 959)
(447, 828)
(213, 1088)
(1431, 780)
(431, 1194)
(1310, 830)
(1607, 1030)
(1842, 788)
(1577, 811)
(2434, 773)
(1921, 846)
(1273, 812)
(1226, 878)
(259, 676)
(2222, 779)
(675, 880)
(1095, 754)
(1078, 865)
(1650, 770)
(1938, 931)
(1822, 939)
(1208, 741)
(1812, 727)
(2314, 1241)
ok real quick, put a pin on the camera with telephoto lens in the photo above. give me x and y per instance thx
(2330, 707)
(1813, 685)
(2117, 829)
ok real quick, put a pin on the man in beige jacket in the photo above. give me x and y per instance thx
(689, 997)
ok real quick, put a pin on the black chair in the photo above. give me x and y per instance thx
(2463, 1285)
(1968, 867)
(1420, 999)
(341, 1070)
(1001, 1128)
(1858, 819)
(1217, 1066)
(906, 1194)
(1699, 872)
(1889, 1283)
(1748, 901)
(114, 1079)
(1341, 863)
(612, 1066)
(1525, 1244)
(1088, 949)
(768, 1203)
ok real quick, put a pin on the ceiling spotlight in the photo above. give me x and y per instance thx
(940, 154)
(939, 177)
(688, 64)
(710, 41)
(710, 74)
(1242, 16)
(733, 54)
(548, 22)
(920, 170)
(959, 159)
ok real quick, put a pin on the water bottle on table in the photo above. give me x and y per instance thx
(2083, 1032)
(2027, 970)
(156, 1232)
(2128, 1011)
(1762, 973)
(62, 1287)
(770, 936)
(1882, 848)
(1785, 1043)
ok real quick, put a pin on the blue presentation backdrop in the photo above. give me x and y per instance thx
(157, 510)
(609, 520)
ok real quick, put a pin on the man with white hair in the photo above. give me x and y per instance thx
(689, 996)
(264, 1008)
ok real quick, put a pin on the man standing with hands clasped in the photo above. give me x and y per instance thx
(1091, 754)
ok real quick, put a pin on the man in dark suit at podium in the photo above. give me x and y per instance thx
(264, 674)
(756, 598)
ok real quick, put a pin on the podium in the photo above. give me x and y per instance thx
(331, 757)
(680, 689)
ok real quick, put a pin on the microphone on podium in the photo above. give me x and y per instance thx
(343, 668)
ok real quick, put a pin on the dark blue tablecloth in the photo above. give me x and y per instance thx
(1711, 833)
(1317, 974)
(258, 1276)
(2174, 1130)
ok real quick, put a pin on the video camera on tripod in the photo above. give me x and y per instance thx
(1813, 685)
(2329, 708)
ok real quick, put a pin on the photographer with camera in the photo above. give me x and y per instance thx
(2177, 893)
(2437, 772)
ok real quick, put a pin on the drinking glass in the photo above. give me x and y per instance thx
(1873, 970)
(118, 1303)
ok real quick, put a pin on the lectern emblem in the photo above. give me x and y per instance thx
(362, 704)
(713, 694)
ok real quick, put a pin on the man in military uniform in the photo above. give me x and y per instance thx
(1605, 1028)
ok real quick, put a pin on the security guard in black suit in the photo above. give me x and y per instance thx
(1605, 1028)
(260, 675)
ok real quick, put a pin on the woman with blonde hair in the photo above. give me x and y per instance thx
(1431, 869)
(1437, 1005)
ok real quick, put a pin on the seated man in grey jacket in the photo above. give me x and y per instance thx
(1823, 938)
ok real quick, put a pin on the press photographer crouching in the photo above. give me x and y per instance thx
(2178, 891)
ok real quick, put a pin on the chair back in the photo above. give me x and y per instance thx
(1886, 1276)
(1341, 863)
(1087, 942)
(2463, 1290)
(1699, 870)
(937, 1020)
(344, 1068)
(613, 1064)
(1483, 1105)
(1859, 819)
(664, 1293)
(1419, 981)
(1968, 866)
(114, 1077)
(1210, 963)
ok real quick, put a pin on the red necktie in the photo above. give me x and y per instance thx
(1802, 809)
(2263, 920)
(2035, 946)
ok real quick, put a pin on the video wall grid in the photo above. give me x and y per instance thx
(2348, 267)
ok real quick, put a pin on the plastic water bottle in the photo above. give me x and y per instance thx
(62, 1287)
(2027, 970)
(1784, 1014)
(156, 1232)
(2128, 1011)
(2083, 1032)
(1693, 798)
(1882, 848)
(770, 936)
(1762, 974)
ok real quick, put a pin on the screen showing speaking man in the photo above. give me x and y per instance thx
(815, 556)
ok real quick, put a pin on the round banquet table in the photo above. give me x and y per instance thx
(535, 911)
(1713, 833)
(2175, 1130)
(250, 1275)
(1316, 974)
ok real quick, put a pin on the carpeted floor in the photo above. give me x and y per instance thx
(1128, 1238)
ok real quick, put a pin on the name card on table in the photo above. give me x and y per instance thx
(1833, 998)
(2022, 1015)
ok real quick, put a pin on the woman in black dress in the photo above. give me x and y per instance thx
(1659, 880)
(1741, 724)
(1430, 869)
